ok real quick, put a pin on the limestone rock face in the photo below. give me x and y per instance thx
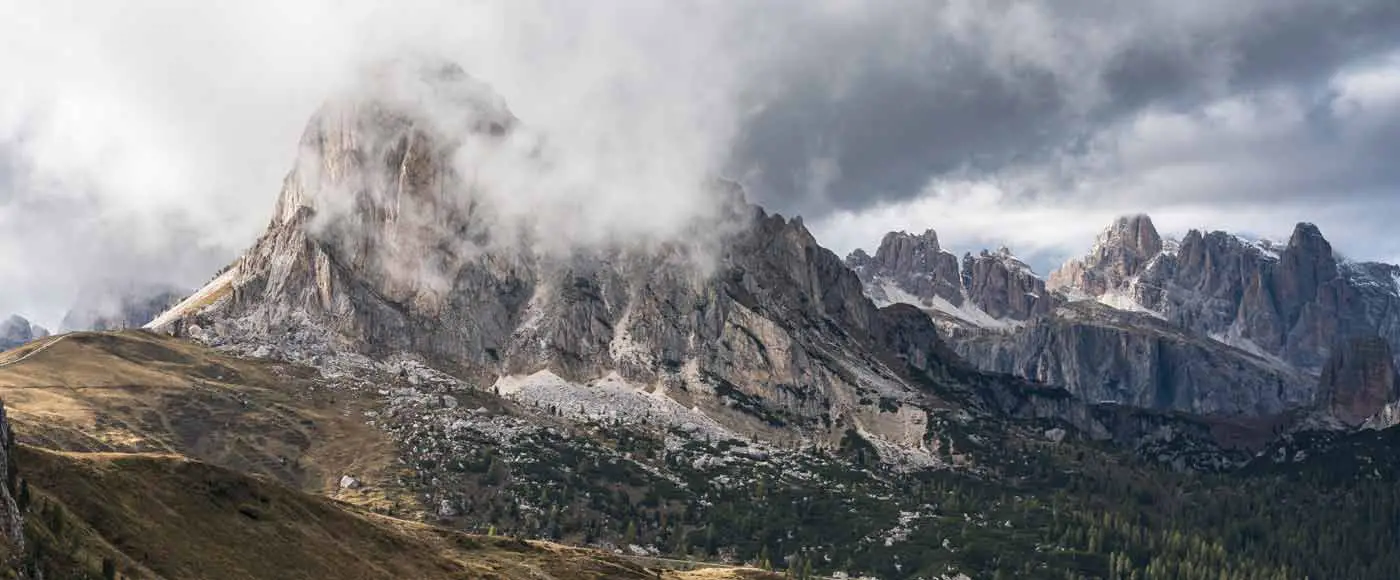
(985, 289)
(1360, 379)
(914, 264)
(1005, 287)
(1115, 348)
(1213, 323)
(1121, 252)
(1102, 354)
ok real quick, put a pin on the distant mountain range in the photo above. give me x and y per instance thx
(1212, 323)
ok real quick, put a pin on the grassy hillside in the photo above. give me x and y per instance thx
(164, 516)
(139, 392)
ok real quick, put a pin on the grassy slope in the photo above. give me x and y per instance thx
(139, 392)
(162, 516)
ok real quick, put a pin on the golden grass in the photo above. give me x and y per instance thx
(166, 517)
(135, 391)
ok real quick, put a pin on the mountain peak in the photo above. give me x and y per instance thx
(1134, 232)
(986, 289)
(903, 251)
(1307, 235)
(1120, 252)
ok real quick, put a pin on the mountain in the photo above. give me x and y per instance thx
(1294, 301)
(740, 356)
(119, 305)
(1102, 350)
(763, 333)
(17, 330)
(1212, 323)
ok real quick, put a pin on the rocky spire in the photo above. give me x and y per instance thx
(1121, 252)
(1003, 286)
(1305, 264)
(915, 263)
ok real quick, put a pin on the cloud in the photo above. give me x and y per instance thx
(150, 139)
(983, 85)
(1252, 163)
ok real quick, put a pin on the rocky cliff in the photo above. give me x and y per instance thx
(1359, 380)
(985, 289)
(1212, 323)
(1108, 355)
(1120, 253)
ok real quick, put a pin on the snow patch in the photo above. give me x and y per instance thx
(973, 315)
(1234, 337)
(888, 292)
(1123, 300)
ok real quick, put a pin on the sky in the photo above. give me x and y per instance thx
(146, 141)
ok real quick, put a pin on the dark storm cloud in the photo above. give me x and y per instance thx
(957, 106)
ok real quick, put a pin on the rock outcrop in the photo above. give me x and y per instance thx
(912, 264)
(1359, 380)
(1119, 254)
(1213, 323)
(1004, 287)
(985, 289)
